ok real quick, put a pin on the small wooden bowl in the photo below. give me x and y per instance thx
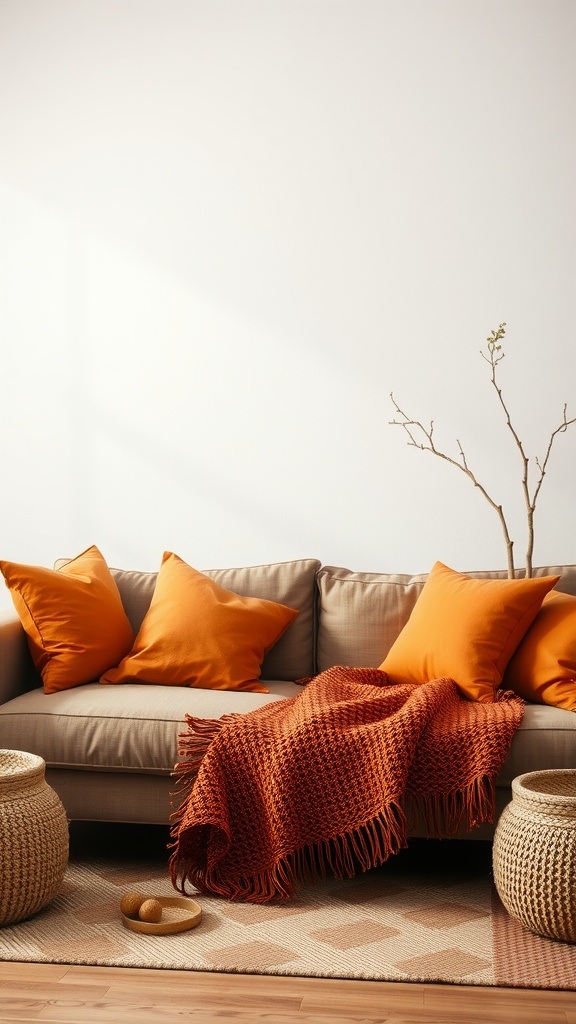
(178, 915)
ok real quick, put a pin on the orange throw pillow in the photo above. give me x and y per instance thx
(73, 617)
(197, 634)
(543, 669)
(465, 628)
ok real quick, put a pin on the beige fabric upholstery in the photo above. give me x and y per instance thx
(17, 672)
(132, 727)
(113, 796)
(362, 613)
(545, 739)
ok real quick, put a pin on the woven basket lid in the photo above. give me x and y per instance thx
(18, 765)
(552, 790)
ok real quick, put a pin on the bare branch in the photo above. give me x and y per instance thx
(420, 437)
(410, 426)
(561, 429)
(495, 357)
(529, 500)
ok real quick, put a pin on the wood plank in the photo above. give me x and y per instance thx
(78, 973)
(105, 1013)
(472, 1016)
(457, 1012)
(20, 1007)
(386, 1001)
(63, 994)
(440, 997)
(52, 990)
(218, 996)
(17, 969)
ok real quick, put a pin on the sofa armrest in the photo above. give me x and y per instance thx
(17, 671)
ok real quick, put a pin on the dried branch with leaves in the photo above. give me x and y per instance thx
(422, 437)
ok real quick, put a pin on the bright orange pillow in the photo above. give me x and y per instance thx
(543, 669)
(73, 617)
(197, 634)
(465, 628)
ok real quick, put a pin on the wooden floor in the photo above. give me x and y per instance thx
(118, 995)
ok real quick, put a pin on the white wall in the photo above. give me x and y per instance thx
(229, 228)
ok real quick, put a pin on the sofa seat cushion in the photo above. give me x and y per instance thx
(129, 728)
(545, 740)
(137, 731)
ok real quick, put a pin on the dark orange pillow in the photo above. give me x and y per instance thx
(197, 634)
(465, 628)
(73, 617)
(543, 669)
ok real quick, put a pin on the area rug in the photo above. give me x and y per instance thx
(430, 914)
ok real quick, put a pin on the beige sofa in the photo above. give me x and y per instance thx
(110, 750)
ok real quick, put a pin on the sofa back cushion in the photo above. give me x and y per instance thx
(360, 614)
(289, 583)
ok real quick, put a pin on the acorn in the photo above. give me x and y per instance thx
(130, 903)
(150, 911)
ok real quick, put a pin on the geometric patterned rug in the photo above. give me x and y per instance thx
(430, 914)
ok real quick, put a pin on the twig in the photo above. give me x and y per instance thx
(495, 356)
(414, 429)
(409, 425)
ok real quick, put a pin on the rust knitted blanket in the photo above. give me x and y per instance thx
(320, 781)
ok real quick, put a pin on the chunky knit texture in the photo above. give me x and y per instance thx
(319, 781)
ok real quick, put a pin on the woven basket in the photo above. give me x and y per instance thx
(33, 837)
(534, 853)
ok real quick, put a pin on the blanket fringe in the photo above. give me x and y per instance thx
(445, 814)
(192, 745)
(362, 848)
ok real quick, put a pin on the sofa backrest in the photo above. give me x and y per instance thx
(360, 614)
(291, 583)
(346, 618)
